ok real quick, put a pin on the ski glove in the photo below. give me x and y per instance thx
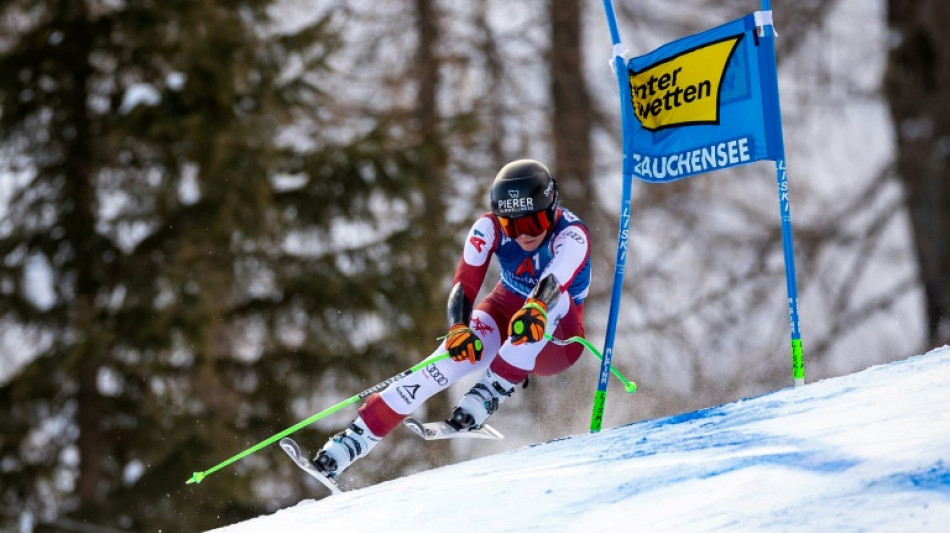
(529, 322)
(463, 344)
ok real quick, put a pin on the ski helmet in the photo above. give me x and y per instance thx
(524, 189)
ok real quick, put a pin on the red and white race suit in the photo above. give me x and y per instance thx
(565, 254)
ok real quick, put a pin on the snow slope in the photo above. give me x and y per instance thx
(864, 452)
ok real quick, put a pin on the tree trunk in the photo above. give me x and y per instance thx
(572, 118)
(434, 185)
(79, 221)
(916, 85)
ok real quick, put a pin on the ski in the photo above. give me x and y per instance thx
(292, 449)
(443, 430)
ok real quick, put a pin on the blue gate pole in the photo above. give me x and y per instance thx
(620, 68)
(774, 123)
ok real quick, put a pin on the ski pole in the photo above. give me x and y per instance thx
(198, 476)
(628, 385)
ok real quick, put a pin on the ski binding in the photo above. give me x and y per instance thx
(292, 449)
(444, 430)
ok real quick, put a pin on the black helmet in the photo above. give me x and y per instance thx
(523, 187)
(524, 198)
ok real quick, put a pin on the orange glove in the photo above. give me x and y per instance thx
(463, 344)
(529, 322)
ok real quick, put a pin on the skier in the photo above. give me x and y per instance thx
(544, 254)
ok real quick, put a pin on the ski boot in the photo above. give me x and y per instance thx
(344, 448)
(480, 402)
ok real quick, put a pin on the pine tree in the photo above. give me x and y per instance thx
(219, 245)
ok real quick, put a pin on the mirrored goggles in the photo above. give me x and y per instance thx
(533, 225)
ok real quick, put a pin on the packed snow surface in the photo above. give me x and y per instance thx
(864, 452)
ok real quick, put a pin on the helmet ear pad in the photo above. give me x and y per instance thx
(552, 210)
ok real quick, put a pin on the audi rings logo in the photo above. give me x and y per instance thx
(436, 375)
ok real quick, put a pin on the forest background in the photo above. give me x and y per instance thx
(217, 219)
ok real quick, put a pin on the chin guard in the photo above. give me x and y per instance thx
(459, 307)
(548, 291)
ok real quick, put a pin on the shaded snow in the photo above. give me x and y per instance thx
(864, 452)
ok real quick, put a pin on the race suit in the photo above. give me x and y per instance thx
(565, 254)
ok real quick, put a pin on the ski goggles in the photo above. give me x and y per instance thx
(533, 225)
